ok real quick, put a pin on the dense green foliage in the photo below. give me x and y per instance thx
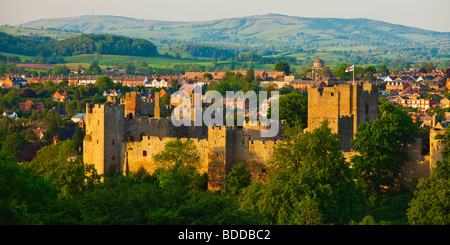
(236, 82)
(283, 66)
(24, 198)
(431, 202)
(103, 44)
(293, 107)
(24, 45)
(381, 147)
(55, 190)
(82, 44)
(309, 182)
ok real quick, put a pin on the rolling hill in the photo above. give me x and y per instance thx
(334, 40)
(270, 29)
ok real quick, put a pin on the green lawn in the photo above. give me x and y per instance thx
(110, 60)
(22, 57)
(155, 62)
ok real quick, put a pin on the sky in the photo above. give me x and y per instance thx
(430, 14)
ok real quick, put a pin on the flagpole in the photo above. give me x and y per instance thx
(353, 73)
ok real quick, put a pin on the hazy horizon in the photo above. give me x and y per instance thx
(430, 15)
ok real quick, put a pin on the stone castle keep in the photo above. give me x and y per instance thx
(345, 107)
(125, 134)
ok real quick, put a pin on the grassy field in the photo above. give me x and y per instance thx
(155, 62)
(22, 57)
(110, 60)
(20, 31)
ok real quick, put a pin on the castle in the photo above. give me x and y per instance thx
(126, 133)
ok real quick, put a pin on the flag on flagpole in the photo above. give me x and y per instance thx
(349, 69)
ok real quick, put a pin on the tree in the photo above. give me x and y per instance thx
(283, 66)
(293, 108)
(250, 75)
(309, 181)
(369, 77)
(28, 93)
(428, 66)
(104, 83)
(78, 137)
(177, 167)
(14, 143)
(340, 72)
(58, 165)
(25, 199)
(94, 68)
(384, 70)
(179, 155)
(431, 200)
(237, 179)
(51, 120)
(380, 147)
(208, 75)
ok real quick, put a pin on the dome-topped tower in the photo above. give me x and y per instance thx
(318, 64)
(317, 70)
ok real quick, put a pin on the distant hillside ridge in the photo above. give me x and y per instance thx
(269, 29)
(82, 44)
(104, 44)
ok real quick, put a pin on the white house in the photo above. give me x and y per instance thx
(10, 114)
(157, 83)
(112, 92)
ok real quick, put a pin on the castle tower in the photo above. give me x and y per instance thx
(345, 107)
(220, 155)
(317, 67)
(133, 103)
(103, 143)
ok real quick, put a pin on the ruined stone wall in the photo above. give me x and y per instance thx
(144, 126)
(436, 146)
(255, 132)
(136, 106)
(224, 148)
(132, 102)
(140, 153)
(255, 154)
(257, 158)
(416, 167)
